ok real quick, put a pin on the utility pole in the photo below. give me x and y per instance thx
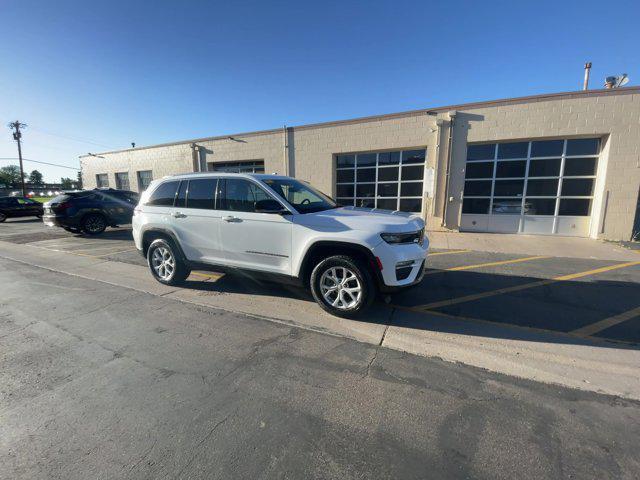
(17, 135)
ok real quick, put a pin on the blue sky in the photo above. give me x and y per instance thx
(93, 76)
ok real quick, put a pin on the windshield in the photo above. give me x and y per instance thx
(303, 197)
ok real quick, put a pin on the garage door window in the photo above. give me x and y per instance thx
(547, 178)
(385, 180)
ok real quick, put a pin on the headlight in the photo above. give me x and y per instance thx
(403, 238)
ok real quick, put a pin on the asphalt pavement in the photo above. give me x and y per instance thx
(101, 381)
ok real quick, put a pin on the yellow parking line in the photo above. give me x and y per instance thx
(450, 252)
(525, 286)
(214, 276)
(112, 253)
(607, 322)
(491, 264)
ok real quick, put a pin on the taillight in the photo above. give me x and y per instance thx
(62, 206)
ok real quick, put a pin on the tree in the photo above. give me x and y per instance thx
(35, 178)
(79, 182)
(10, 176)
(67, 183)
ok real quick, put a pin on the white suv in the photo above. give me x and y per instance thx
(282, 226)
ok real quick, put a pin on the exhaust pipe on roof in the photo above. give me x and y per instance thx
(587, 70)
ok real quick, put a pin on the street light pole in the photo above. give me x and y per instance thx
(17, 135)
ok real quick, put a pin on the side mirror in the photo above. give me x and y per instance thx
(269, 206)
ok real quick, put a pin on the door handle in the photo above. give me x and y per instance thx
(229, 218)
(179, 215)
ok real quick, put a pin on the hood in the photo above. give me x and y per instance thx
(367, 219)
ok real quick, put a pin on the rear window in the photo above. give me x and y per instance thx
(164, 195)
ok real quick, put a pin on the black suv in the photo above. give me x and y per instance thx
(19, 207)
(90, 211)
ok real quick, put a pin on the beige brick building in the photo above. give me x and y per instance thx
(564, 164)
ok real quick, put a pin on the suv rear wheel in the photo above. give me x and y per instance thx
(3, 217)
(94, 223)
(342, 286)
(165, 264)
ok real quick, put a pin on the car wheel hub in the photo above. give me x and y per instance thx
(341, 288)
(94, 224)
(163, 263)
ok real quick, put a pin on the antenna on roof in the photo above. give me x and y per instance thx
(616, 81)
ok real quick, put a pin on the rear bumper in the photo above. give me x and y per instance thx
(53, 220)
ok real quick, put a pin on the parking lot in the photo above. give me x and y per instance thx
(583, 297)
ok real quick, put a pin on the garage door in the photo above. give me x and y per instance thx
(385, 180)
(536, 187)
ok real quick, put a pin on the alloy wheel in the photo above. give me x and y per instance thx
(341, 288)
(163, 263)
(94, 224)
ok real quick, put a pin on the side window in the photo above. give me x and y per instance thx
(163, 195)
(181, 199)
(241, 195)
(202, 193)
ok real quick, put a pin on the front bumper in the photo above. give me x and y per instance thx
(402, 265)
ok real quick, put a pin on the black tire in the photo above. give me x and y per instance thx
(170, 254)
(72, 230)
(94, 224)
(344, 303)
(3, 217)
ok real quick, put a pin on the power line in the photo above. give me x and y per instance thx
(76, 139)
(38, 161)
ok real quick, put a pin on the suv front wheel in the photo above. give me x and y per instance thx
(342, 286)
(165, 264)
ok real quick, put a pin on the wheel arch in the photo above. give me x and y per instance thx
(154, 233)
(328, 248)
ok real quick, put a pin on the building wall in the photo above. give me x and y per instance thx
(615, 118)
(167, 160)
(308, 152)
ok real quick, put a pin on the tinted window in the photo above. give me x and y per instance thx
(201, 193)
(544, 168)
(387, 203)
(540, 206)
(540, 188)
(387, 189)
(481, 152)
(366, 159)
(511, 169)
(366, 190)
(413, 189)
(583, 146)
(479, 170)
(574, 206)
(164, 194)
(547, 148)
(580, 166)
(344, 190)
(513, 150)
(478, 189)
(346, 160)
(366, 175)
(413, 156)
(389, 158)
(508, 188)
(410, 204)
(475, 205)
(344, 176)
(241, 195)
(412, 173)
(388, 174)
(577, 187)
